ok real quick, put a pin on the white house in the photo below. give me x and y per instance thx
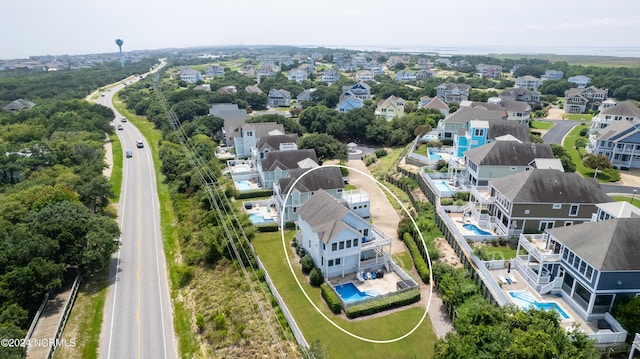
(338, 240)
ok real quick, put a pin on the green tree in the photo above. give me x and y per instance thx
(597, 161)
(327, 147)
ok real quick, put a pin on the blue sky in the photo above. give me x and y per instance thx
(91, 26)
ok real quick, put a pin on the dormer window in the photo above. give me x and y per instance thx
(478, 132)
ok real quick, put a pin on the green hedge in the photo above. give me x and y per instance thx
(268, 227)
(333, 302)
(418, 261)
(254, 194)
(395, 301)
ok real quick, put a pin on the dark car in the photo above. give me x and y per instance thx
(120, 127)
(129, 154)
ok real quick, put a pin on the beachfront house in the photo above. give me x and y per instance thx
(338, 240)
(592, 265)
(246, 137)
(540, 199)
(277, 164)
(328, 179)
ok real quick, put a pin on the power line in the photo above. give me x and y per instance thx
(219, 200)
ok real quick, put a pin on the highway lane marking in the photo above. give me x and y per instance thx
(123, 196)
(155, 241)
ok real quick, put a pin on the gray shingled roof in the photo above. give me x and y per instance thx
(263, 129)
(615, 129)
(324, 214)
(550, 186)
(465, 114)
(286, 160)
(624, 108)
(322, 178)
(508, 153)
(273, 142)
(499, 128)
(611, 245)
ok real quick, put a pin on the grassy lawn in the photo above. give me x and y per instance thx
(419, 344)
(541, 125)
(116, 171)
(85, 320)
(628, 198)
(187, 342)
(578, 117)
(421, 150)
(569, 143)
(387, 164)
(507, 252)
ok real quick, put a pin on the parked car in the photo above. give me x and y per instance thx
(139, 143)
(124, 119)
(129, 154)
(120, 127)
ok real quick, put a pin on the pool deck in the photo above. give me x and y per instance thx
(384, 285)
(254, 185)
(521, 285)
(264, 211)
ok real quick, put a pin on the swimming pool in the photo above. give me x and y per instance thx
(443, 186)
(350, 293)
(427, 138)
(257, 218)
(243, 185)
(473, 228)
(241, 168)
(435, 156)
(525, 301)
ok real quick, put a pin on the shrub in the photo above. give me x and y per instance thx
(462, 196)
(315, 277)
(381, 152)
(254, 194)
(446, 201)
(441, 164)
(332, 299)
(200, 321)
(370, 159)
(376, 306)
(184, 274)
(581, 142)
(268, 227)
(307, 264)
(612, 173)
(584, 132)
(418, 261)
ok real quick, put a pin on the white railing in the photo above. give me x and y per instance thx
(617, 334)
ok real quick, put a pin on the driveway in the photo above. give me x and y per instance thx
(383, 215)
(559, 130)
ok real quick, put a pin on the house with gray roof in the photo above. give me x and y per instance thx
(521, 94)
(328, 179)
(361, 91)
(338, 240)
(279, 98)
(277, 164)
(620, 142)
(276, 143)
(17, 105)
(233, 117)
(591, 265)
(451, 92)
(459, 120)
(578, 100)
(580, 81)
(540, 199)
(246, 137)
(502, 158)
(612, 210)
(614, 112)
(435, 103)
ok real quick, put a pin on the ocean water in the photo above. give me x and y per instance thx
(616, 51)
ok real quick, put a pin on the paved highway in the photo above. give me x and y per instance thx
(137, 316)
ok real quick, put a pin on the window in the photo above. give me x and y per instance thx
(330, 262)
(478, 132)
(355, 242)
(295, 209)
(573, 211)
(557, 205)
(341, 245)
(348, 244)
(546, 225)
(568, 223)
(338, 261)
(365, 232)
(334, 246)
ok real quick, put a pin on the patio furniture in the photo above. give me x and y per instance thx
(512, 278)
(503, 279)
